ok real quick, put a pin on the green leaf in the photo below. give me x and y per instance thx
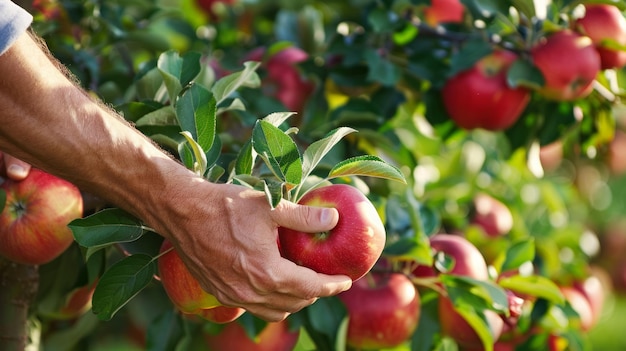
(470, 290)
(162, 117)
(317, 150)
(479, 323)
(120, 283)
(279, 152)
(519, 253)
(199, 165)
(178, 71)
(165, 331)
(230, 83)
(533, 285)
(381, 69)
(523, 73)
(470, 53)
(195, 111)
(106, 227)
(273, 191)
(410, 249)
(245, 159)
(324, 320)
(371, 166)
(278, 118)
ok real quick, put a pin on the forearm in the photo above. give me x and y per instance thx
(51, 123)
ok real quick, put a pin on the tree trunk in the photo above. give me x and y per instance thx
(18, 288)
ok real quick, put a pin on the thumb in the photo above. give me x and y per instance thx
(308, 219)
(16, 169)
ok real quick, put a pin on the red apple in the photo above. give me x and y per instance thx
(181, 287)
(33, 224)
(220, 314)
(569, 63)
(351, 248)
(454, 325)
(604, 23)
(443, 11)
(580, 304)
(284, 80)
(490, 214)
(274, 337)
(468, 261)
(480, 97)
(383, 310)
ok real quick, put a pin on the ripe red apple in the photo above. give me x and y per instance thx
(181, 287)
(454, 325)
(604, 23)
(33, 224)
(468, 261)
(274, 337)
(443, 11)
(480, 97)
(284, 80)
(569, 63)
(351, 248)
(384, 310)
(493, 216)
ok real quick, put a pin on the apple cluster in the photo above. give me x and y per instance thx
(568, 59)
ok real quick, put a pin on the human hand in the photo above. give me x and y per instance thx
(12, 167)
(227, 237)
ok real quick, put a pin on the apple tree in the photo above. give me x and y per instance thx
(485, 133)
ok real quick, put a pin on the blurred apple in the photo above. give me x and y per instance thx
(384, 310)
(284, 80)
(580, 304)
(605, 25)
(468, 260)
(569, 63)
(616, 156)
(181, 287)
(481, 97)
(443, 11)
(274, 337)
(490, 214)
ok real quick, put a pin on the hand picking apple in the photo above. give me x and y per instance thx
(228, 242)
(352, 247)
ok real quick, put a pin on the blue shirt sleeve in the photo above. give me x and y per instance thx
(14, 21)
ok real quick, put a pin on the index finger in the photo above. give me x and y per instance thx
(305, 283)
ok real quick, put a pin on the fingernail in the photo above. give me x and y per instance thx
(17, 171)
(326, 216)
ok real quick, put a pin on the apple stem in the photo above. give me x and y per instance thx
(18, 288)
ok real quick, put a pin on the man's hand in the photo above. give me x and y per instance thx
(228, 240)
(13, 168)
